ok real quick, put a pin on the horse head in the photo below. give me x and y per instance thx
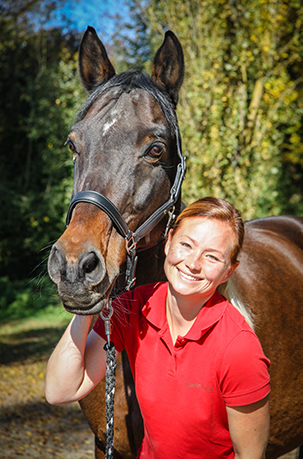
(128, 168)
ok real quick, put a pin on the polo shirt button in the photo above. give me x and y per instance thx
(182, 341)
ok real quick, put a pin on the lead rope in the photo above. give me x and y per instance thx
(110, 381)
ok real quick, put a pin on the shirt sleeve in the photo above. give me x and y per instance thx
(244, 374)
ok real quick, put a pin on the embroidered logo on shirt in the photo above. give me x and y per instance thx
(198, 386)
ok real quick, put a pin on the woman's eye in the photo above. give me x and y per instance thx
(187, 246)
(212, 257)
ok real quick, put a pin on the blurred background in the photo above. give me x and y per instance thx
(240, 111)
(240, 115)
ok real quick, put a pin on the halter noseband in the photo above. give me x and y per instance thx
(132, 238)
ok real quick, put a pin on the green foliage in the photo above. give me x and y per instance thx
(26, 298)
(131, 46)
(241, 107)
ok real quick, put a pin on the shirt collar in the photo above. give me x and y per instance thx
(211, 313)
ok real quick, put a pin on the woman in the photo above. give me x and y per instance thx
(200, 373)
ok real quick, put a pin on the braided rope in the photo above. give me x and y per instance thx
(109, 397)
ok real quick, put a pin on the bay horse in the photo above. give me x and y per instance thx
(128, 171)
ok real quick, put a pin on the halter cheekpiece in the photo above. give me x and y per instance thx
(132, 238)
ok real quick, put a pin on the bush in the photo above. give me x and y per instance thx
(27, 298)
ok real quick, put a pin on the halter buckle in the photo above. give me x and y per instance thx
(171, 218)
(131, 245)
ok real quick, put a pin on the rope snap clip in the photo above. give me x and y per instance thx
(106, 317)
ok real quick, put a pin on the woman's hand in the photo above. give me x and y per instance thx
(249, 429)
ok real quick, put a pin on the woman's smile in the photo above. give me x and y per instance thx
(188, 277)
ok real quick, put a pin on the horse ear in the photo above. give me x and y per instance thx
(94, 65)
(168, 66)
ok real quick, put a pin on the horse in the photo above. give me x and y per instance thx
(128, 170)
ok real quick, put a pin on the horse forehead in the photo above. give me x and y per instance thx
(131, 109)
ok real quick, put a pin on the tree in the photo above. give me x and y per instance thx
(240, 109)
(39, 90)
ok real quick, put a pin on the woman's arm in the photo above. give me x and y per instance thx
(76, 365)
(249, 429)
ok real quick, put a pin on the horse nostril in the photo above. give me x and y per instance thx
(92, 268)
(88, 267)
(91, 263)
(56, 265)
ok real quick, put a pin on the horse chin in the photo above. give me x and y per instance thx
(77, 299)
(87, 311)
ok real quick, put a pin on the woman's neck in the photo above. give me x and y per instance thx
(181, 313)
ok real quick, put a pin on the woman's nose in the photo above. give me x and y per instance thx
(193, 262)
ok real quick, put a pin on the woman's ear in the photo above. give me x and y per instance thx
(168, 242)
(231, 270)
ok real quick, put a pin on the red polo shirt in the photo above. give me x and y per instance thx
(182, 389)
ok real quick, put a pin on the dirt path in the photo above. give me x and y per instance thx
(29, 426)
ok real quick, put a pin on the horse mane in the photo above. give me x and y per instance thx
(229, 291)
(126, 81)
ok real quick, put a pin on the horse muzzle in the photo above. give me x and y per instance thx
(83, 282)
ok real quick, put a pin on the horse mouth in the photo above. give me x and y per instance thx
(92, 309)
(89, 310)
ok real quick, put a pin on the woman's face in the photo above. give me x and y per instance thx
(198, 256)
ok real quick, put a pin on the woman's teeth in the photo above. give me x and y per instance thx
(186, 276)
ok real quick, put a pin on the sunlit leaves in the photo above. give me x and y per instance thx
(241, 103)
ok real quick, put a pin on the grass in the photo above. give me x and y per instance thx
(31, 320)
(51, 316)
(32, 338)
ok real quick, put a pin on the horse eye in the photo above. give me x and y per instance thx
(71, 146)
(156, 151)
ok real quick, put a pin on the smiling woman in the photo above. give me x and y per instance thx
(201, 254)
(198, 260)
(209, 377)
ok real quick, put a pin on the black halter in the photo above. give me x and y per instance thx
(132, 238)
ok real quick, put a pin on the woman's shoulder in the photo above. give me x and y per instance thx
(240, 338)
(149, 290)
(236, 319)
(232, 330)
